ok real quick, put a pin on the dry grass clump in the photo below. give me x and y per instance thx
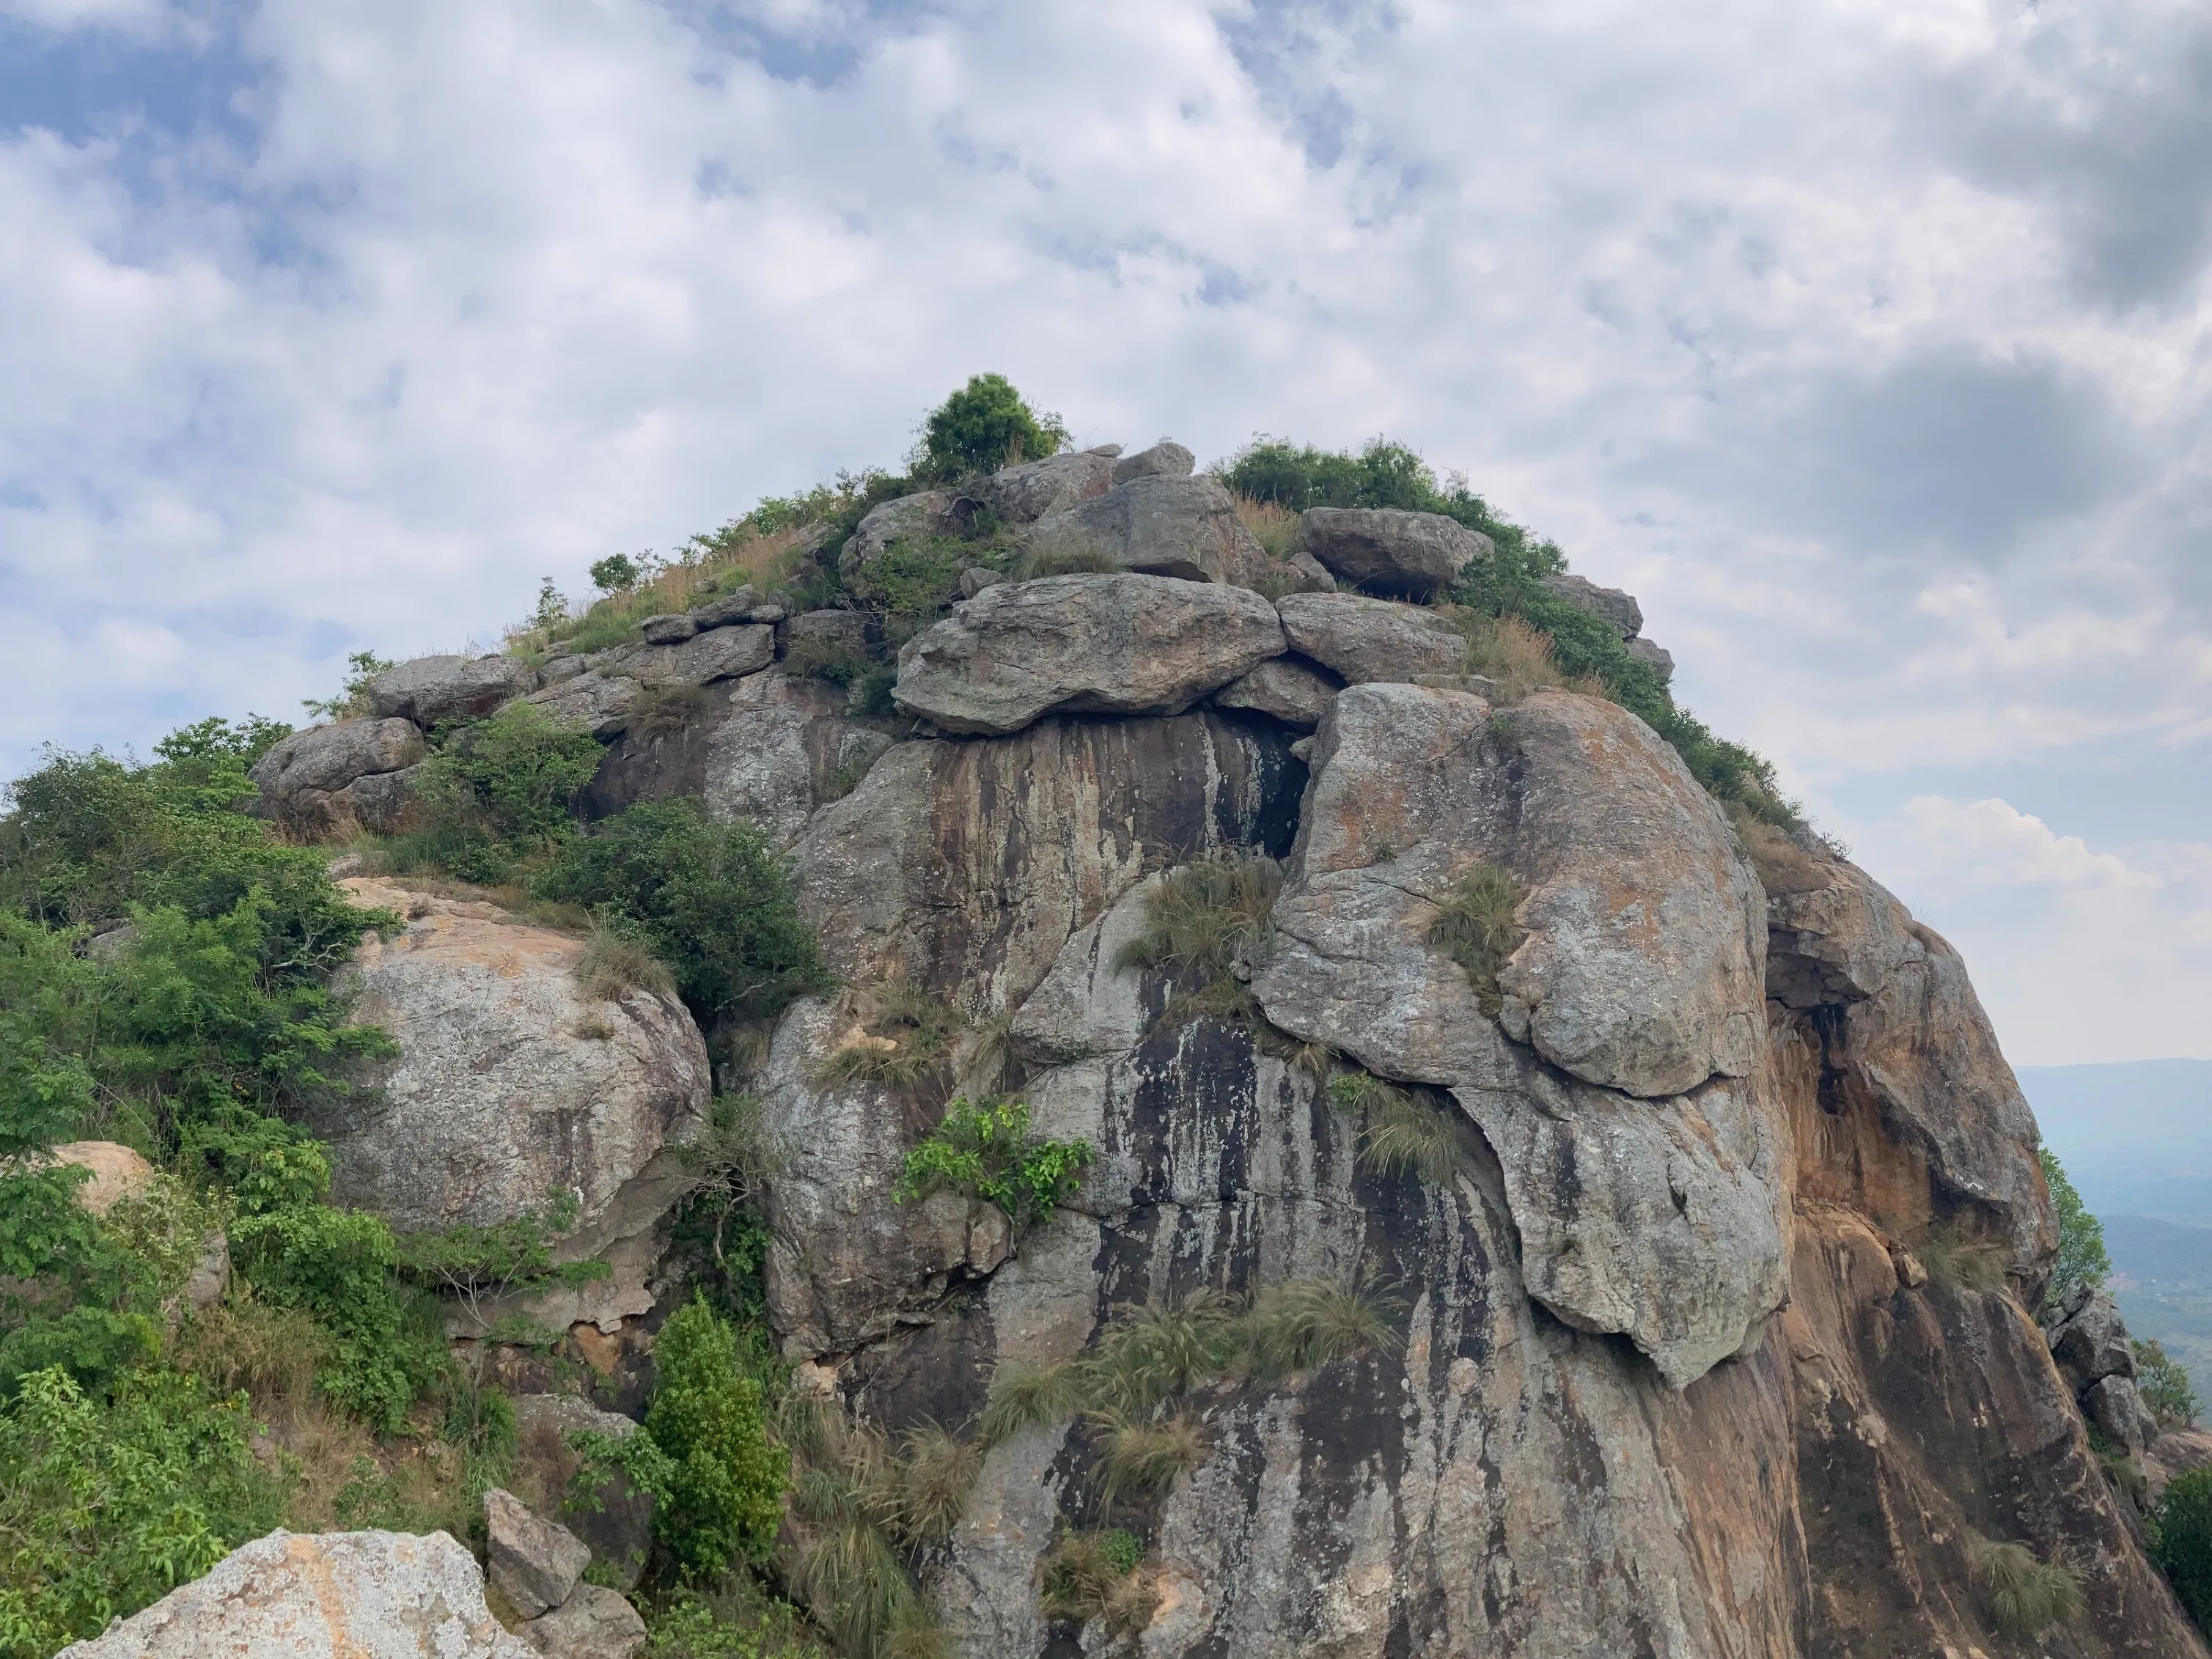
(2022, 1595)
(1093, 1575)
(611, 967)
(1783, 866)
(1476, 928)
(1273, 525)
(661, 710)
(907, 1038)
(1957, 1256)
(1066, 562)
(734, 557)
(270, 1353)
(1515, 657)
(1403, 1135)
(1210, 919)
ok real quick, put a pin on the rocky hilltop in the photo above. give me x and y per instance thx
(1625, 1146)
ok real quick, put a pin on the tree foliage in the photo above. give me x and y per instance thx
(726, 1478)
(2082, 1258)
(986, 425)
(2182, 1543)
(984, 1149)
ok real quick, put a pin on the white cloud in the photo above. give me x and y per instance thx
(1991, 843)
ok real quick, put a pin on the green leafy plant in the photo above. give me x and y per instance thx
(361, 667)
(2024, 1596)
(2083, 1259)
(477, 1266)
(618, 573)
(1093, 1575)
(1475, 926)
(2182, 1543)
(498, 792)
(107, 1505)
(736, 1619)
(984, 1150)
(911, 583)
(713, 901)
(726, 1481)
(2164, 1383)
(986, 425)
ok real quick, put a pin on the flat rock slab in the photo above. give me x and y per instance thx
(1385, 551)
(1371, 641)
(1159, 525)
(533, 1562)
(1652, 1210)
(433, 688)
(1082, 644)
(595, 1623)
(321, 1595)
(600, 700)
(1022, 495)
(719, 654)
(1164, 459)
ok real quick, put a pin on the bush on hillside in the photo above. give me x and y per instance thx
(2082, 1257)
(984, 1149)
(2165, 1384)
(2182, 1543)
(986, 425)
(726, 1479)
(713, 901)
(497, 792)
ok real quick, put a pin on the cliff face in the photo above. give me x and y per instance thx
(1670, 1381)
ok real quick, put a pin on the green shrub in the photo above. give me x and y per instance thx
(107, 1504)
(2024, 1596)
(1093, 1575)
(2082, 1258)
(618, 573)
(714, 901)
(736, 1620)
(1475, 926)
(727, 1479)
(352, 699)
(2182, 1545)
(985, 1149)
(986, 425)
(910, 584)
(2165, 1385)
(514, 1257)
(499, 791)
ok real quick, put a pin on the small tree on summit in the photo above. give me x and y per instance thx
(985, 426)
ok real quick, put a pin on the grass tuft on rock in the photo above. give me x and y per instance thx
(2024, 1596)
(611, 967)
(1475, 926)
(1954, 1255)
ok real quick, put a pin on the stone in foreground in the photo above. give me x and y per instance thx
(534, 1562)
(321, 1595)
(305, 779)
(1083, 644)
(433, 688)
(1370, 641)
(1405, 555)
(595, 1623)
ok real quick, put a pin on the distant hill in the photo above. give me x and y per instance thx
(2136, 1137)
(2162, 1278)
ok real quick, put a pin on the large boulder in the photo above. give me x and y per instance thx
(1658, 656)
(600, 700)
(699, 658)
(788, 748)
(1164, 459)
(513, 1081)
(306, 779)
(1289, 689)
(321, 1595)
(2092, 1343)
(1405, 555)
(1609, 604)
(1639, 1160)
(117, 1172)
(1082, 644)
(1161, 525)
(433, 688)
(1022, 495)
(534, 1562)
(1368, 641)
(595, 1623)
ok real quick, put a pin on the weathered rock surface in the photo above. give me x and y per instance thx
(667, 630)
(305, 779)
(908, 519)
(1370, 641)
(321, 1595)
(117, 1172)
(619, 1530)
(1082, 644)
(1656, 1210)
(1161, 525)
(734, 606)
(512, 1082)
(1657, 655)
(433, 688)
(1164, 459)
(601, 701)
(595, 1623)
(2091, 1343)
(786, 750)
(827, 631)
(1404, 554)
(701, 659)
(382, 801)
(534, 1562)
(1616, 607)
(1291, 690)
(1022, 495)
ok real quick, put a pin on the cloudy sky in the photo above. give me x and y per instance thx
(1865, 340)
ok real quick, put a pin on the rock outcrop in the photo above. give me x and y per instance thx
(432, 689)
(1402, 554)
(514, 1083)
(1286, 689)
(1082, 644)
(329, 776)
(321, 1595)
(1366, 640)
(1156, 524)
(1022, 495)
